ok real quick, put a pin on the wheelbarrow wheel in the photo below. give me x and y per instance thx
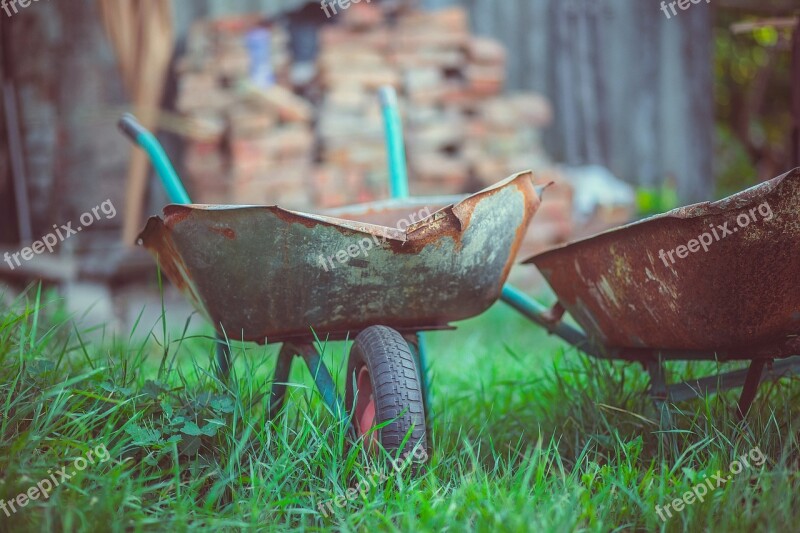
(384, 385)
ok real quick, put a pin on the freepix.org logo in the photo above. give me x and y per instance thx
(62, 233)
(325, 5)
(46, 486)
(709, 484)
(10, 6)
(682, 4)
(706, 239)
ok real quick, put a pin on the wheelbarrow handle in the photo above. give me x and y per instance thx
(131, 127)
(398, 173)
(140, 136)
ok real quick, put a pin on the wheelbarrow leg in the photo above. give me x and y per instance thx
(748, 379)
(324, 381)
(422, 361)
(280, 377)
(659, 392)
(420, 351)
(223, 359)
(751, 383)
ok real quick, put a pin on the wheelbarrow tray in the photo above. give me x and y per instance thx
(742, 293)
(261, 273)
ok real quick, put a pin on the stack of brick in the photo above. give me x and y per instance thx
(250, 139)
(461, 133)
(350, 127)
(266, 146)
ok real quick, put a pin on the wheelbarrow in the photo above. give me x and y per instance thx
(711, 281)
(271, 275)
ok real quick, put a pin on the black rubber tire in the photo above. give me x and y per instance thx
(397, 388)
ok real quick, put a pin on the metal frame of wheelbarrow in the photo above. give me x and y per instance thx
(177, 194)
(760, 370)
(319, 371)
(744, 311)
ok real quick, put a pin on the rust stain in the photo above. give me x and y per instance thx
(155, 237)
(741, 292)
(175, 214)
(228, 233)
(453, 221)
(440, 225)
(267, 281)
(290, 217)
(533, 201)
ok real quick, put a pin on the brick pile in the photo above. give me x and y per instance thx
(271, 146)
(461, 133)
(245, 144)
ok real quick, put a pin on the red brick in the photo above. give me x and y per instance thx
(421, 40)
(201, 92)
(450, 173)
(362, 15)
(233, 62)
(532, 108)
(438, 135)
(490, 170)
(369, 78)
(486, 51)
(207, 126)
(250, 121)
(484, 81)
(285, 142)
(236, 23)
(454, 19)
(442, 59)
(280, 100)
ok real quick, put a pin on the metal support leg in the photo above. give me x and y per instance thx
(424, 372)
(751, 383)
(324, 381)
(279, 378)
(420, 351)
(659, 392)
(223, 359)
(425, 383)
(749, 379)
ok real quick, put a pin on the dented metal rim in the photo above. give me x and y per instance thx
(645, 285)
(267, 273)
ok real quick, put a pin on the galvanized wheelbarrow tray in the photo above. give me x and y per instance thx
(267, 274)
(715, 281)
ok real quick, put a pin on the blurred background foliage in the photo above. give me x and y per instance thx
(752, 95)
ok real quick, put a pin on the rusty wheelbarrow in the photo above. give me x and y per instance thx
(272, 275)
(710, 281)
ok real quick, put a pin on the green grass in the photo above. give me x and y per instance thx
(528, 435)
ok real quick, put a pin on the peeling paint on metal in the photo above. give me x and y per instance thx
(273, 281)
(740, 293)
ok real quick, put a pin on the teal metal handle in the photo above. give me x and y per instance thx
(139, 135)
(536, 312)
(398, 188)
(398, 185)
(398, 173)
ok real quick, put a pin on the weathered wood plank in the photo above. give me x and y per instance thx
(632, 89)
